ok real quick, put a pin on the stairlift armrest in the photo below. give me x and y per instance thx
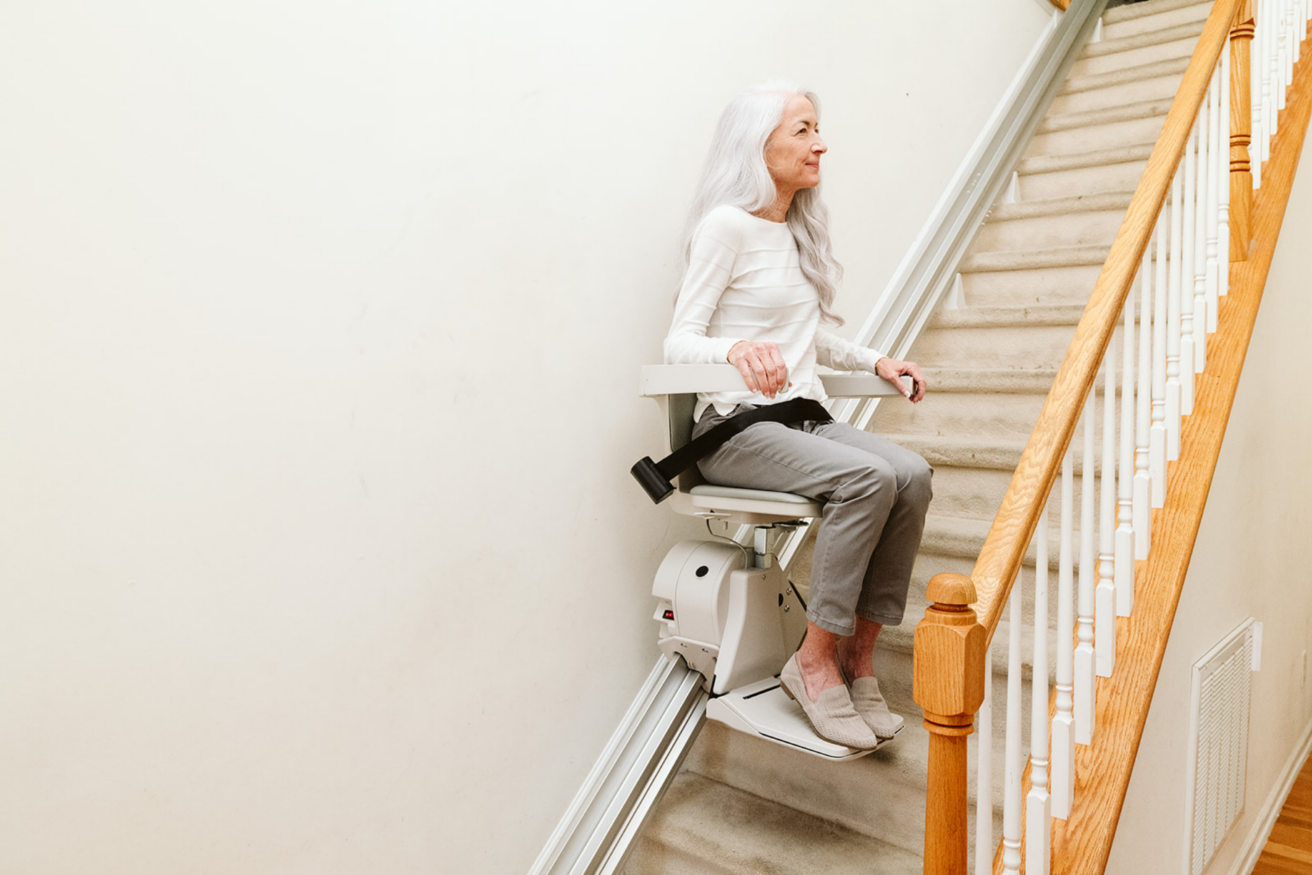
(658, 380)
(860, 385)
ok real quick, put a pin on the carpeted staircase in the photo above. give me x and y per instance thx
(743, 805)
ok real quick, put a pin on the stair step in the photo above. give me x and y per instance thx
(1053, 224)
(1125, 74)
(881, 795)
(1110, 55)
(1079, 160)
(1084, 203)
(1137, 46)
(1020, 259)
(1023, 285)
(997, 346)
(1157, 81)
(965, 451)
(1051, 177)
(704, 827)
(1006, 317)
(1107, 128)
(1131, 10)
(985, 381)
(1152, 18)
(1090, 118)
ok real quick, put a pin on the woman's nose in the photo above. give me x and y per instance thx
(819, 146)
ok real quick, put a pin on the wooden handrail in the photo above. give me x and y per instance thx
(1004, 548)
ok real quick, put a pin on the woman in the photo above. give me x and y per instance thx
(759, 280)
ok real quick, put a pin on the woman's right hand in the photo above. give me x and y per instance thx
(761, 365)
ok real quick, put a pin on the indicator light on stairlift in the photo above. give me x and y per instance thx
(667, 615)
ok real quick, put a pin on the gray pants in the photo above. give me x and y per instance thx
(875, 493)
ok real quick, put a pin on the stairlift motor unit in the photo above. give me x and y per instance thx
(725, 619)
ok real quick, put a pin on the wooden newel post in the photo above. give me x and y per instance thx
(948, 683)
(1241, 132)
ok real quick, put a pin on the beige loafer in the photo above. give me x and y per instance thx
(832, 715)
(870, 704)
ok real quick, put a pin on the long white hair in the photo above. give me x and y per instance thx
(736, 173)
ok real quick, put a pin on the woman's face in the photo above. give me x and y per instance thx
(793, 151)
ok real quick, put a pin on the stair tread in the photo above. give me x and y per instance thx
(1007, 317)
(1086, 203)
(1088, 118)
(1031, 259)
(1009, 381)
(1000, 455)
(1095, 81)
(758, 836)
(1142, 40)
(1131, 11)
(1096, 158)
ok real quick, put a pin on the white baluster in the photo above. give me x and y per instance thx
(1011, 819)
(1223, 195)
(1038, 805)
(1261, 80)
(1194, 250)
(1182, 217)
(1063, 723)
(984, 775)
(1296, 33)
(1142, 407)
(1279, 81)
(1085, 672)
(1255, 98)
(1275, 50)
(1157, 448)
(1104, 627)
(1125, 473)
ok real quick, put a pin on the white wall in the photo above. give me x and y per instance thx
(1250, 560)
(320, 325)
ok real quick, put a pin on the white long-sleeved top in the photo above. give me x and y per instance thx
(745, 282)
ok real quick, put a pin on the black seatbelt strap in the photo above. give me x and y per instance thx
(655, 477)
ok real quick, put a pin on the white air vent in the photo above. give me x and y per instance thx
(1218, 744)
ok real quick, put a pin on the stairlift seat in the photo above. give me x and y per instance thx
(758, 501)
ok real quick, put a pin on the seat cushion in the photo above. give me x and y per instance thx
(779, 505)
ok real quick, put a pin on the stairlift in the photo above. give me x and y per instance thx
(727, 608)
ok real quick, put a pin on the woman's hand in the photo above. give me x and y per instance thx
(893, 369)
(761, 365)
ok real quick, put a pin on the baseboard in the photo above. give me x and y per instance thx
(1266, 819)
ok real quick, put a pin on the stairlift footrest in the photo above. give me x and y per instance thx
(763, 709)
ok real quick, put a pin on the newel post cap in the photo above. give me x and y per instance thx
(948, 672)
(951, 589)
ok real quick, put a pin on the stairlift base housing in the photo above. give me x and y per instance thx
(737, 625)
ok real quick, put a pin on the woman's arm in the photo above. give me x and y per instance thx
(842, 355)
(710, 268)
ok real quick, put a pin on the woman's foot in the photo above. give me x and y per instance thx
(856, 660)
(870, 704)
(831, 712)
